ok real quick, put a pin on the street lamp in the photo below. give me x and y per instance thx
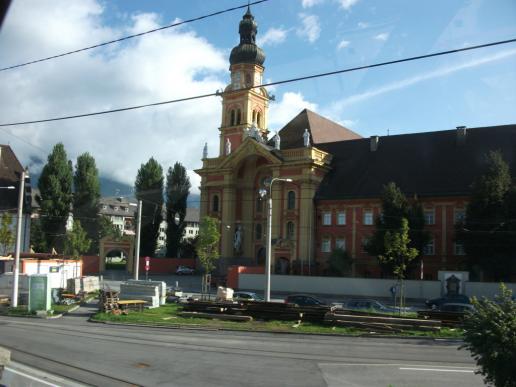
(8, 187)
(16, 271)
(263, 193)
(138, 231)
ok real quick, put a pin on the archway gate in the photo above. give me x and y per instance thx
(125, 244)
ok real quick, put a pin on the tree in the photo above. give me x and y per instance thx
(208, 243)
(188, 247)
(398, 254)
(38, 242)
(178, 188)
(490, 335)
(339, 262)
(86, 198)
(55, 199)
(489, 230)
(6, 233)
(77, 241)
(395, 208)
(106, 228)
(149, 189)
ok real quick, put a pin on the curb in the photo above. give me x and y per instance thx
(210, 329)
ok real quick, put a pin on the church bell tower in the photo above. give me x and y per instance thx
(244, 106)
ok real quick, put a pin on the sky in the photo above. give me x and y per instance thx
(299, 37)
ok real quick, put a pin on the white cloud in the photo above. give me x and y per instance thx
(310, 3)
(347, 4)
(343, 44)
(382, 37)
(272, 37)
(290, 105)
(339, 106)
(165, 65)
(362, 25)
(311, 29)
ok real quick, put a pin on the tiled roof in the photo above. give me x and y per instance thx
(322, 130)
(10, 172)
(427, 164)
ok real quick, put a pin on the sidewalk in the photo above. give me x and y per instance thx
(20, 375)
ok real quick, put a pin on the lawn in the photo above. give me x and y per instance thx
(166, 315)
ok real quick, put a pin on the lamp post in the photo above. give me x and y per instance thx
(16, 271)
(263, 193)
(138, 232)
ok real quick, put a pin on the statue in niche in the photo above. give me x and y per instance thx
(205, 151)
(237, 241)
(228, 147)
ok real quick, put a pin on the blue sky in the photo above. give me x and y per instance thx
(300, 37)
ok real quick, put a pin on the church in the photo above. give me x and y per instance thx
(325, 180)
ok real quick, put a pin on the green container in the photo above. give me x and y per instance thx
(39, 292)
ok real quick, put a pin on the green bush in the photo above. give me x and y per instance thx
(490, 335)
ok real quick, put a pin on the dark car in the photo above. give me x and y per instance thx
(437, 302)
(304, 300)
(456, 307)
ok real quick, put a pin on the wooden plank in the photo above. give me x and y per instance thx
(225, 317)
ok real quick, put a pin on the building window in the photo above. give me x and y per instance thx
(126, 209)
(259, 204)
(458, 249)
(115, 208)
(326, 245)
(368, 217)
(104, 207)
(326, 221)
(365, 242)
(232, 120)
(215, 204)
(340, 243)
(258, 232)
(341, 218)
(459, 215)
(429, 248)
(259, 120)
(239, 117)
(429, 217)
(291, 200)
(290, 231)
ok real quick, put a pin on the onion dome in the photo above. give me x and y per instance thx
(247, 51)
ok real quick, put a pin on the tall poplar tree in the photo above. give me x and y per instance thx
(86, 198)
(55, 199)
(489, 230)
(149, 189)
(178, 188)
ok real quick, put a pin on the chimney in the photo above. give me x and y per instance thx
(374, 143)
(461, 135)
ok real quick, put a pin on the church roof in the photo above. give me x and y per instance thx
(440, 163)
(322, 130)
(247, 51)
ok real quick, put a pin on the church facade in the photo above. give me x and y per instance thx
(327, 180)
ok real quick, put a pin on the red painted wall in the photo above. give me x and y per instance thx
(235, 271)
(165, 265)
(90, 264)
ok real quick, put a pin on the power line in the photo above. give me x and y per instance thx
(319, 75)
(133, 36)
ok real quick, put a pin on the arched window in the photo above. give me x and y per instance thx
(291, 200)
(239, 117)
(290, 230)
(254, 116)
(232, 122)
(259, 204)
(258, 232)
(259, 120)
(215, 203)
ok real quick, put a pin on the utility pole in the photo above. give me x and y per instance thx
(138, 231)
(16, 274)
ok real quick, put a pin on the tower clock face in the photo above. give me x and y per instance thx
(257, 79)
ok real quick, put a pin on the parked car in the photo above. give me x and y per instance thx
(373, 306)
(247, 296)
(437, 302)
(184, 270)
(304, 300)
(456, 307)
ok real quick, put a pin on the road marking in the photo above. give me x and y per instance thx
(434, 369)
(29, 376)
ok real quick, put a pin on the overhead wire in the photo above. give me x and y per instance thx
(297, 79)
(134, 35)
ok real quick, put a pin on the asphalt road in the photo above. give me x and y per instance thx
(107, 355)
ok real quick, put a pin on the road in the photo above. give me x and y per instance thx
(108, 355)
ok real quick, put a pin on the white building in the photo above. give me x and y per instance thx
(191, 230)
(121, 211)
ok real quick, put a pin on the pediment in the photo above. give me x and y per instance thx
(250, 147)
